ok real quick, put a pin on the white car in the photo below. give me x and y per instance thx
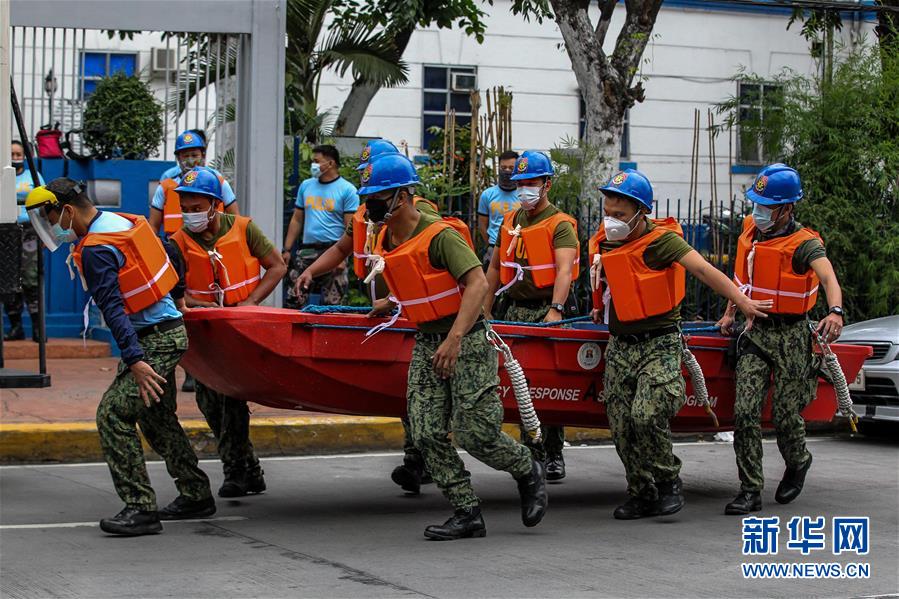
(875, 391)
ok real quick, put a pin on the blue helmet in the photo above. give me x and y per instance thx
(532, 164)
(388, 171)
(189, 139)
(373, 149)
(201, 181)
(775, 185)
(632, 184)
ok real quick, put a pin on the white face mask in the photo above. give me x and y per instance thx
(315, 169)
(197, 222)
(616, 230)
(529, 196)
(762, 217)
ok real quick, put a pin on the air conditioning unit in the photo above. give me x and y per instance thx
(464, 82)
(163, 61)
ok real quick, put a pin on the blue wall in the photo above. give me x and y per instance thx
(65, 299)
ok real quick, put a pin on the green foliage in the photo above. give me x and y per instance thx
(843, 138)
(123, 119)
(395, 16)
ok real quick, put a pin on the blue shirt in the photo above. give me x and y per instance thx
(158, 200)
(23, 186)
(324, 205)
(101, 265)
(494, 203)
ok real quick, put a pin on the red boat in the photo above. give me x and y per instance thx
(289, 359)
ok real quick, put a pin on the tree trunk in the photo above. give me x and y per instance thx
(356, 104)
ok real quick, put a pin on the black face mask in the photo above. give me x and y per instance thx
(505, 181)
(376, 210)
(17, 164)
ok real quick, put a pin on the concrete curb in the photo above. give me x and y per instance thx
(78, 441)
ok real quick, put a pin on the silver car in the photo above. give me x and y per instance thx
(875, 391)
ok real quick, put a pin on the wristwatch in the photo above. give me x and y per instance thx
(559, 307)
(838, 310)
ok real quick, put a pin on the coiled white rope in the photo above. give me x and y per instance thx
(700, 391)
(526, 410)
(840, 386)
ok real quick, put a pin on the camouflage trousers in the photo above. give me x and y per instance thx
(229, 420)
(553, 436)
(120, 412)
(331, 286)
(12, 303)
(643, 391)
(784, 351)
(466, 405)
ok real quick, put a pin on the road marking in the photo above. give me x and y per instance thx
(345, 456)
(95, 523)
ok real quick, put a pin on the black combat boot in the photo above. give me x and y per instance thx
(255, 479)
(16, 332)
(35, 332)
(183, 508)
(189, 385)
(463, 524)
(743, 503)
(532, 489)
(793, 481)
(132, 522)
(409, 474)
(555, 467)
(671, 497)
(235, 484)
(634, 508)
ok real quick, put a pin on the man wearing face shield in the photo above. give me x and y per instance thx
(437, 280)
(638, 271)
(496, 201)
(12, 304)
(127, 271)
(190, 152)
(536, 263)
(324, 207)
(222, 254)
(780, 261)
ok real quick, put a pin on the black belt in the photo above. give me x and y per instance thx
(531, 304)
(780, 319)
(640, 337)
(315, 246)
(159, 327)
(434, 337)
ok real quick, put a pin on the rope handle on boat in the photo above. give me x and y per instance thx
(832, 364)
(526, 410)
(700, 391)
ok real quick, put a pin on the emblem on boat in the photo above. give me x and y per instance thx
(589, 355)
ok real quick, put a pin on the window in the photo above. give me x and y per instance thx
(443, 91)
(758, 102)
(625, 129)
(97, 65)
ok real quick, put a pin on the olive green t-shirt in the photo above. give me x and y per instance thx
(563, 237)
(448, 251)
(260, 245)
(807, 252)
(659, 255)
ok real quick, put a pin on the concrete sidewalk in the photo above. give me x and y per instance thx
(58, 423)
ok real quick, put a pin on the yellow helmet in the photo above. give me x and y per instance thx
(40, 196)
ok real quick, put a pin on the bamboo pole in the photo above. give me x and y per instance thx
(452, 156)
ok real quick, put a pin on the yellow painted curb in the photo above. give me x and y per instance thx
(78, 441)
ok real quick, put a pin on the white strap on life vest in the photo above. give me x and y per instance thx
(151, 282)
(176, 215)
(215, 289)
(411, 302)
(597, 281)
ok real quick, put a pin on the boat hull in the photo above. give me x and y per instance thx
(288, 359)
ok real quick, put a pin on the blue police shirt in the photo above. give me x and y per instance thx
(158, 200)
(101, 264)
(23, 186)
(324, 205)
(494, 203)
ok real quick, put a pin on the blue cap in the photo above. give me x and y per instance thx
(388, 171)
(632, 184)
(775, 185)
(373, 149)
(201, 181)
(532, 164)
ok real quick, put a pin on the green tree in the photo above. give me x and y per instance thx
(123, 119)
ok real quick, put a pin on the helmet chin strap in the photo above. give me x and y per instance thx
(392, 206)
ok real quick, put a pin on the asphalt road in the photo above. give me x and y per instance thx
(337, 527)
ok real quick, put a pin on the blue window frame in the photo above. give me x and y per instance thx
(438, 97)
(97, 65)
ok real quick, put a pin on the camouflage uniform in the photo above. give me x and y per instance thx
(13, 303)
(229, 420)
(553, 436)
(332, 286)
(122, 408)
(644, 389)
(468, 405)
(784, 350)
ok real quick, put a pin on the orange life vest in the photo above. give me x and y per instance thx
(638, 291)
(147, 274)
(362, 244)
(423, 292)
(171, 211)
(764, 270)
(536, 247)
(228, 274)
